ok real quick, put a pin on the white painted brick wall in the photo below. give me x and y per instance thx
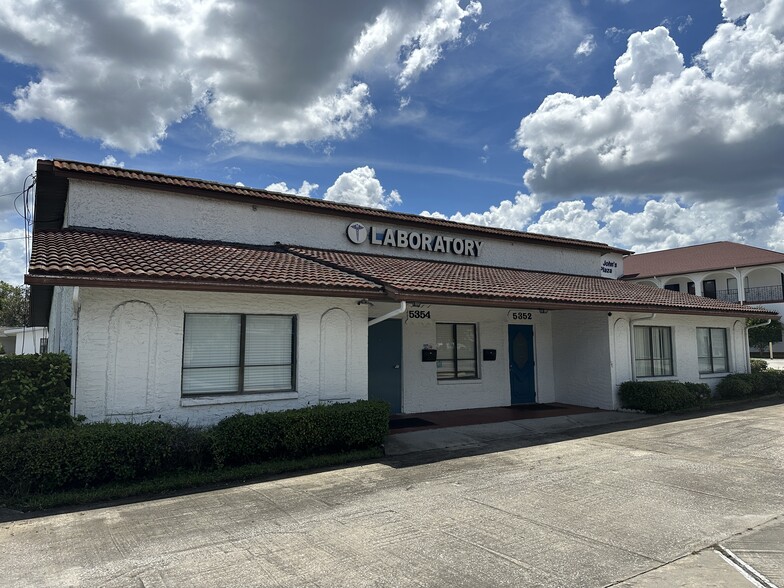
(92, 204)
(169, 307)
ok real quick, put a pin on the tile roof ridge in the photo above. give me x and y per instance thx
(373, 279)
(673, 249)
(156, 237)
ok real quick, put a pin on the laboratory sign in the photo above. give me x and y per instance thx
(385, 237)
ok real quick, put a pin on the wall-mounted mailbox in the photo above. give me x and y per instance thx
(488, 354)
(429, 354)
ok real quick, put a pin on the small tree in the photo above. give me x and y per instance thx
(759, 337)
(14, 305)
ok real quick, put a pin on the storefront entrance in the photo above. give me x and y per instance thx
(385, 342)
(521, 364)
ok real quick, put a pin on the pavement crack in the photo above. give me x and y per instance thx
(570, 533)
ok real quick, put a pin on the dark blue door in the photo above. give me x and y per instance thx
(385, 342)
(521, 364)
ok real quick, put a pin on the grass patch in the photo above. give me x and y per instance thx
(186, 480)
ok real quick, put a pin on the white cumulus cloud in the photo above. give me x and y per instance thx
(507, 215)
(360, 186)
(586, 46)
(306, 189)
(709, 131)
(261, 71)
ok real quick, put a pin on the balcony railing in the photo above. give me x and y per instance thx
(764, 294)
(753, 295)
(727, 295)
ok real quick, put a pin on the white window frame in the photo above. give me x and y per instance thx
(241, 364)
(653, 359)
(455, 374)
(712, 357)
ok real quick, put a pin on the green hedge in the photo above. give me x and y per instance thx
(249, 438)
(760, 383)
(758, 365)
(88, 455)
(34, 392)
(662, 396)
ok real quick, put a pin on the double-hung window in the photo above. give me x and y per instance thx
(712, 353)
(456, 351)
(238, 354)
(653, 351)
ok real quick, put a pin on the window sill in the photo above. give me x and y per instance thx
(236, 398)
(713, 376)
(462, 382)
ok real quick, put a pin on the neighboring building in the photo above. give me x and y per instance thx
(23, 340)
(7, 342)
(189, 300)
(726, 271)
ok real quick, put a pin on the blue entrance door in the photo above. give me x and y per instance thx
(521, 364)
(385, 342)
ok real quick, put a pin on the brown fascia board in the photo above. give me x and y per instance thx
(199, 286)
(364, 213)
(430, 298)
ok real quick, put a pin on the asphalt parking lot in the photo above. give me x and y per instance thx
(633, 503)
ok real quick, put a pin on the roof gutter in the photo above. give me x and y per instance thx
(400, 310)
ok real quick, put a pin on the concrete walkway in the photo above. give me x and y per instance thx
(478, 436)
(641, 503)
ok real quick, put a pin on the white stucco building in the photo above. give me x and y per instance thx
(723, 270)
(188, 300)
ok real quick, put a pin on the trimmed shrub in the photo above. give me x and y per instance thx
(92, 454)
(736, 386)
(250, 438)
(661, 396)
(768, 382)
(34, 392)
(702, 390)
(758, 365)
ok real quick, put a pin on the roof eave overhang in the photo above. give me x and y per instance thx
(532, 303)
(201, 286)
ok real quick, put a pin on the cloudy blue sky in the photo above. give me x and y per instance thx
(641, 124)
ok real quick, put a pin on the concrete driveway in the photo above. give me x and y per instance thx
(637, 503)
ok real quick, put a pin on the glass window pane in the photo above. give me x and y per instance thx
(642, 343)
(445, 369)
(703, 343)
(705, 365)
(262, 379)
(211, 340)
(643, 367)
(445, 343)
(466, 368)
(268, 340)
(210, 380)
(719, 350)
(466, 342)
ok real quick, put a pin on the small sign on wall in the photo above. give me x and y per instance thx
(421, 315)
(520, 316)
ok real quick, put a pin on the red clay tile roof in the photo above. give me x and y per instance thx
(216, 189)
(100, 255)
(697, 258)
(445, 282)
(89, 256)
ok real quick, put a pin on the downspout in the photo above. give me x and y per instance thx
(388, 315)
(748, 347)
(77, 305)
(631, 339)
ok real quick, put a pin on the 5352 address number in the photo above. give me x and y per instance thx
(522, 316)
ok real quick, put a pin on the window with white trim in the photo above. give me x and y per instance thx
(238, 354)
(712, 355)
(456, 351)
(653, 351)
